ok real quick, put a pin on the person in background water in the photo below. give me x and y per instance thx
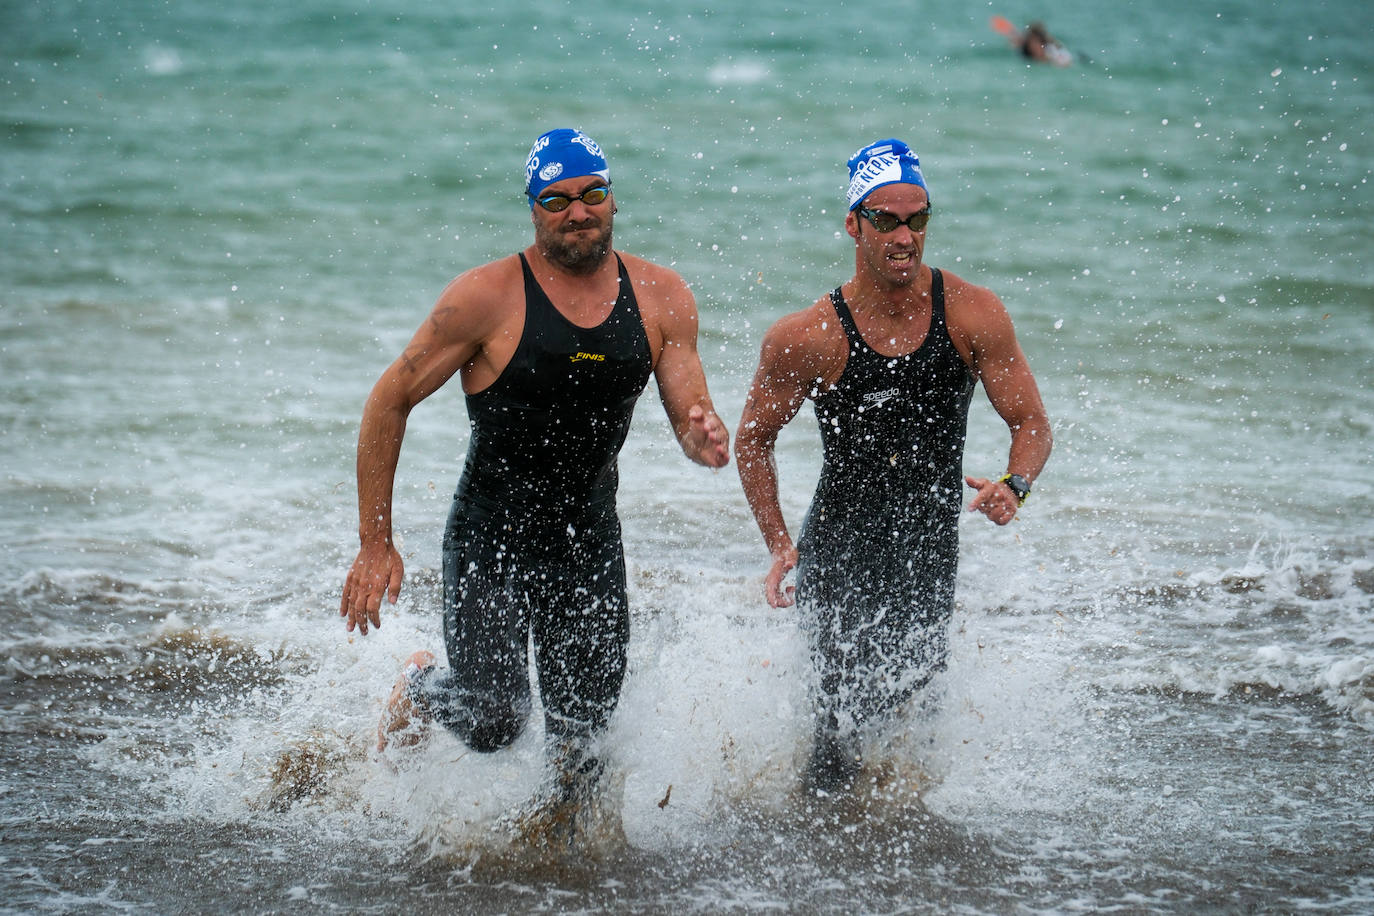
(1037, 44)
(553, 346)
(891, 359)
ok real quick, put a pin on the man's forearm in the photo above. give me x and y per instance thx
(1030, 449)
(379, 451)
(758, 474)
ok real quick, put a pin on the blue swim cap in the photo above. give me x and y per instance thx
(882, 163)
(559, 154)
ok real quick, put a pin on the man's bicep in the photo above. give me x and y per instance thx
(450, 337)
(998, 359)
(774, 397)
(1011, 387)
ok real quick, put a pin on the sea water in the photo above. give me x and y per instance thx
(218, 224)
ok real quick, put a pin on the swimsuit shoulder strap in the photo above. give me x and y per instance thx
(851, 330)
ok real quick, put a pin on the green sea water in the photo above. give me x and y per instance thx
(219, 223)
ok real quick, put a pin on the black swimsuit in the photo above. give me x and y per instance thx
(879, 548)
(533, 541)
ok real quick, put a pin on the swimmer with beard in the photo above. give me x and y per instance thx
(553, 347)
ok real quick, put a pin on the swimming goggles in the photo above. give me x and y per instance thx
(557, 203)
(887, 222)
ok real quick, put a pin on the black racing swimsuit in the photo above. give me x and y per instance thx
(879, 548)
(533, 542)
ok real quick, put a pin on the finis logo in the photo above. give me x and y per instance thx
(593, 357)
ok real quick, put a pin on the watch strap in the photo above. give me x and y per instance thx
(1018, 485)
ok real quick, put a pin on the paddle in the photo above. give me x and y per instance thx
(1003, 24)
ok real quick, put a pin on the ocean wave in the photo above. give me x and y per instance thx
(1280, 591)
(88, 591)
(1339, 683)
(738, 72)
(1286, 625)
(174, 658)
(163, 61)
(1343, 686)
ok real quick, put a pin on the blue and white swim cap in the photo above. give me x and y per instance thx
(559, 154)
(882, 163)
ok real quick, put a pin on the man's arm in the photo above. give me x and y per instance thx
(1006, 375)
(681, 378)
(450, 337)
(791, 361)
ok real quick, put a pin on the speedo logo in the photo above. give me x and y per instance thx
(581, 357)
(879, 398)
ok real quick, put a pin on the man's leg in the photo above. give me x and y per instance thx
(826, 602)
(835, 754)
(581, 632)
(483, 696)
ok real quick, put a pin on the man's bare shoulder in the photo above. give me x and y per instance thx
(963, 297)
(666, 304)
(815, 325)
(651, 278)
(494, 278)
(810, 342)
(479, 297)
(976, 316)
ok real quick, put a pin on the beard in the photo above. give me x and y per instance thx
(572, 248)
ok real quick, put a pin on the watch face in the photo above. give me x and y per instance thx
(1018, 485)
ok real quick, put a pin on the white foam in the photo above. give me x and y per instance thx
(739, 72)
(163, 61)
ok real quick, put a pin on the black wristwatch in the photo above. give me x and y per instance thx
(1018, 486)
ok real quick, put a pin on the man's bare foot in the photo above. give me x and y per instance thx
(400, 713)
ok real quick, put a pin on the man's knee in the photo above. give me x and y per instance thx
(483, 722)
(495, 729)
